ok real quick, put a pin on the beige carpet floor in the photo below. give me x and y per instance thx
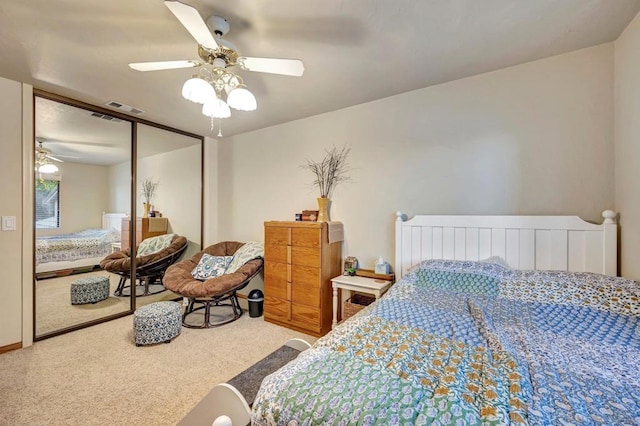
(97, 376)
(54, 310)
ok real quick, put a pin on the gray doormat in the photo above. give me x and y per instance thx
(248, 382)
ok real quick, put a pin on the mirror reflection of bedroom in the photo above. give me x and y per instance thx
(83, 209)
(81, 161)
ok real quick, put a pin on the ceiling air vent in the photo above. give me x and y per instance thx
(105, 117)
(125, 108)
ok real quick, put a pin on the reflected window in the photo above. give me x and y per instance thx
(47, 205)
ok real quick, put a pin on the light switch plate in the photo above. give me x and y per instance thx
(8, 223)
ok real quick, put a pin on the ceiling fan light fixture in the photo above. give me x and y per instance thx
(48, 168)
(242, 99)
(214, 83)
(198, 90)
(216, 108)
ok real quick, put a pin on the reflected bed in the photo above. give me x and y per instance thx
(79, 249)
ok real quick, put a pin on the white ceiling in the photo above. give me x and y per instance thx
(354, 51)
(75, 135)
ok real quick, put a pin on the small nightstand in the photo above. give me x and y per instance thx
(361, 284)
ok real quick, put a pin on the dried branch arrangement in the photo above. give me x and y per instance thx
(331, 171)
(149, 188)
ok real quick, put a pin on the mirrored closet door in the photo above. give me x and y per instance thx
(90, 205)
(169, 203)
(82, 192)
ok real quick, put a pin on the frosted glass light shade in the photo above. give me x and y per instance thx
(198, 90)
(242, 99)
(48, 168)
(216, 108)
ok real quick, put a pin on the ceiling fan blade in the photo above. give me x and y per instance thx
(51, 157)
(293, 67)
(164, 65)
(193, 22)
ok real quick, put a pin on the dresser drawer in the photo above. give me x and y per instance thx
(277, 253)
(302, 237)
(307, 275)
(276, 308)
(305, 295)
(306, 256)
(306, 315)
(277, 235)
(276, 279)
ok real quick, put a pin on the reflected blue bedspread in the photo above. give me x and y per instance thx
(80, 245)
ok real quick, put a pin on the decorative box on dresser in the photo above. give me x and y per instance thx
(299, 264)
(146, 227)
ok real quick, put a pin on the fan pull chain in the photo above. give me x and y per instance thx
(213, 127)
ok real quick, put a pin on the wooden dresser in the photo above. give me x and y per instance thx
(146, 227)
(299, 265)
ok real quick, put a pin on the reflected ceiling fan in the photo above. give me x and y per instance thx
(43, 155)
(214, 85)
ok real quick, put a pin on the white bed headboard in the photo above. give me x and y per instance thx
(526, 242)
(113, 220)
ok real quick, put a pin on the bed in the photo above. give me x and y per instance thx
(493, 320)
(80, 249)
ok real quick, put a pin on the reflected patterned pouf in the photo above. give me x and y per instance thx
(89, 290)
(157, 323)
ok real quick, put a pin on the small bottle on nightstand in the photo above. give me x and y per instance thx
(381, 267)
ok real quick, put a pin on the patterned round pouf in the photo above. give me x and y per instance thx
(157, 323)
(89, 290)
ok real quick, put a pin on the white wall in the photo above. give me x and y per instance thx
(627, 147)
(84, 196)
(531, 139)
(11, 175)
(119, 177)
(179, 191)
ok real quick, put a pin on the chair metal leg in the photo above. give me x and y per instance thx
(118, 290)
(208, 304)
(145, 282)
(207, 314)
(235, 304)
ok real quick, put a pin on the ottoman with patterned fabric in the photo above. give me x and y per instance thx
(157, 323)
(89, 290)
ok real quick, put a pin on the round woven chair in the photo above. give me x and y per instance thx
(150, 268)
(219, 291)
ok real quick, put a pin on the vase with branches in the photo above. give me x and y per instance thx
(329, 172)
(149, 189)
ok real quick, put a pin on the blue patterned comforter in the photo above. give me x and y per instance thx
(469, 342)
(80, 245)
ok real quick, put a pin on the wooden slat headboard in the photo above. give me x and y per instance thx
(112, 220)
(526, 242)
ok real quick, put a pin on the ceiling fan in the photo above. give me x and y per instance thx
(43, 155)
(214, 85)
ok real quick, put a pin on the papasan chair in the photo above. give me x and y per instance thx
(205, 293)
(153, 257)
